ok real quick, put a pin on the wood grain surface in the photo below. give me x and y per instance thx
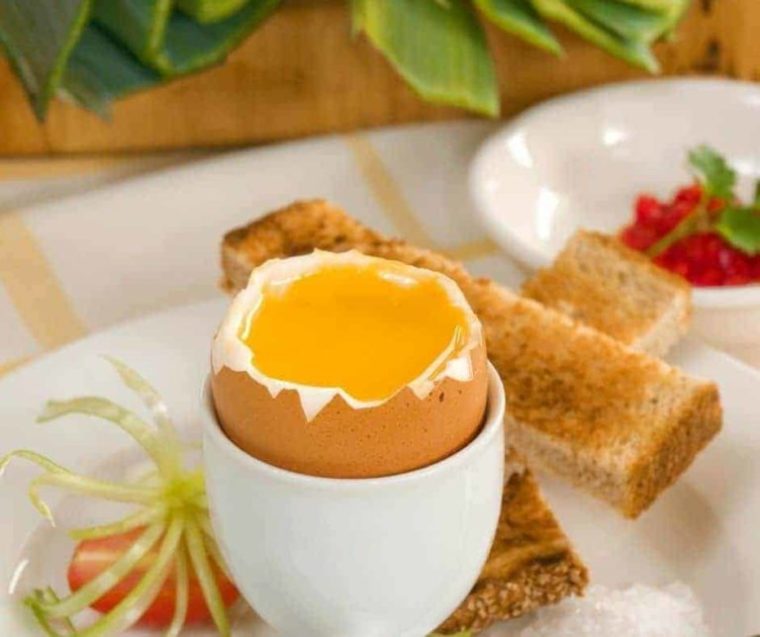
(303, 73)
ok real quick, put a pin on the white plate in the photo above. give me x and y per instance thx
(580, 160)
(703, 531)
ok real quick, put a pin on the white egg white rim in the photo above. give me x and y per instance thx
(491, 432)
(228, 350)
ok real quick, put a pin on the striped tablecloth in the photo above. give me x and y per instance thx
(36, 314)
(89, 242)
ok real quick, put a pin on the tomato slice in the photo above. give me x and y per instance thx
(91, 557)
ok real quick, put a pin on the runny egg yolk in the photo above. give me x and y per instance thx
(369, 330)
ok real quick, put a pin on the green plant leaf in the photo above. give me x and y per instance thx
(140, 25)
(628, 21)
(205, 11)
(633, 51)
(520, 18)
(713, 171)
(171, 42)
(94, 51)
(756, 198)
(190, 46)
(741, 228)
(39, 36)
(100, 71)
(676, 9)
(439, 48)
(661, 6)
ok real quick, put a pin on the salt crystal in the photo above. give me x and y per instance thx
(639, 611)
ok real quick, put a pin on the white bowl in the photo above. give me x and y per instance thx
(579, 161)
(378, 557)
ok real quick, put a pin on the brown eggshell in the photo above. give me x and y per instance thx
(399, 435)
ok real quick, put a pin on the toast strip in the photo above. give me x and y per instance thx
(606, 285)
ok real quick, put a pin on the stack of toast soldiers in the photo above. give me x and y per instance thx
(588, 397)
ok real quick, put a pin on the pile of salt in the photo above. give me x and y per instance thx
(639, 611)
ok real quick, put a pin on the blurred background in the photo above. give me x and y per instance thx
(144, 75)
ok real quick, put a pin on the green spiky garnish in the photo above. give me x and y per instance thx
(171, 522)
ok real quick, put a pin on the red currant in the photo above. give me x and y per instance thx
(756, 268)
(704, 258)
(673, 215)
(689, 194)
(648, 210)
(638, 237)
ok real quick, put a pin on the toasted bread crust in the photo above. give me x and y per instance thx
(297, 229)
(589, 409)
(600, 282)
(531, 563)
(697, 422)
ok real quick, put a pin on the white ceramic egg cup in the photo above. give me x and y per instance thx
(374, 557)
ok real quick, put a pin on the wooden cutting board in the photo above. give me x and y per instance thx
(302, 73)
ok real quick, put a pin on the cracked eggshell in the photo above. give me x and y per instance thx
(401, 434)
(323, 431)
(230, 351)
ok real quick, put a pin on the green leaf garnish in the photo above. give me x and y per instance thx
(741, 228)
(716, 176)
(173, 511)
(181, 594)
(738, 225)
(439, 48)
(143, 517)
(48, 595)
(93, 590)
(199, 558)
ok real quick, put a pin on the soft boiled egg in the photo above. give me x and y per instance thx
(349, 366)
